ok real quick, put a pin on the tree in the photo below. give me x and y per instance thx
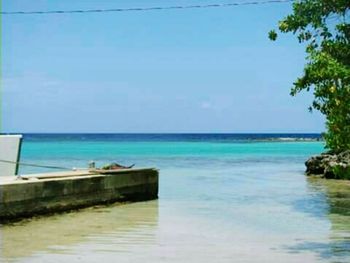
(323, 25)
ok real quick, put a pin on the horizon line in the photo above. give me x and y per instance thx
(170, 133)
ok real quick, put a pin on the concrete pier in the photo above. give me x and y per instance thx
(54, 192)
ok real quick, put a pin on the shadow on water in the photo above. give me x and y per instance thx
(59, 232)
(331, 200)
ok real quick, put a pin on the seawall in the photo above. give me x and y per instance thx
(55, 192)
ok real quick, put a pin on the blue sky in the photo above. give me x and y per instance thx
(196, 70)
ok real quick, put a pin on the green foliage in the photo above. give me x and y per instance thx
(341, 172)
(323, 25)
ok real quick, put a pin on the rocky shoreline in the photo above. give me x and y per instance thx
(330, 165)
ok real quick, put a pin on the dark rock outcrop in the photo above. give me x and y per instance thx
(330, 165)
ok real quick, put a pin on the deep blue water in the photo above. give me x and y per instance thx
(170, 137)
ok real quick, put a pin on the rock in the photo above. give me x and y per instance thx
(314, 165)
(330, 165)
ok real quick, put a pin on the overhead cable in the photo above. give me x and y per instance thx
(142, 8)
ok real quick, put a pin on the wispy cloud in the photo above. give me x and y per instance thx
(206, 105)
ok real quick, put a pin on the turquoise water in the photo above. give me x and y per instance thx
(220, 200)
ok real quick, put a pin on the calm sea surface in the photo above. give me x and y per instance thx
(223, 198)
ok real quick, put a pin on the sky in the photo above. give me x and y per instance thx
(208, 70)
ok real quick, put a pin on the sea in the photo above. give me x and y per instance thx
(222, 198)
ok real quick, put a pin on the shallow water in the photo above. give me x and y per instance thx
(219, 201)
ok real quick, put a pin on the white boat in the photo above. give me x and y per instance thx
(10, 149)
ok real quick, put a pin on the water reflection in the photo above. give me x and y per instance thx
(57, 233)
(332, 201)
